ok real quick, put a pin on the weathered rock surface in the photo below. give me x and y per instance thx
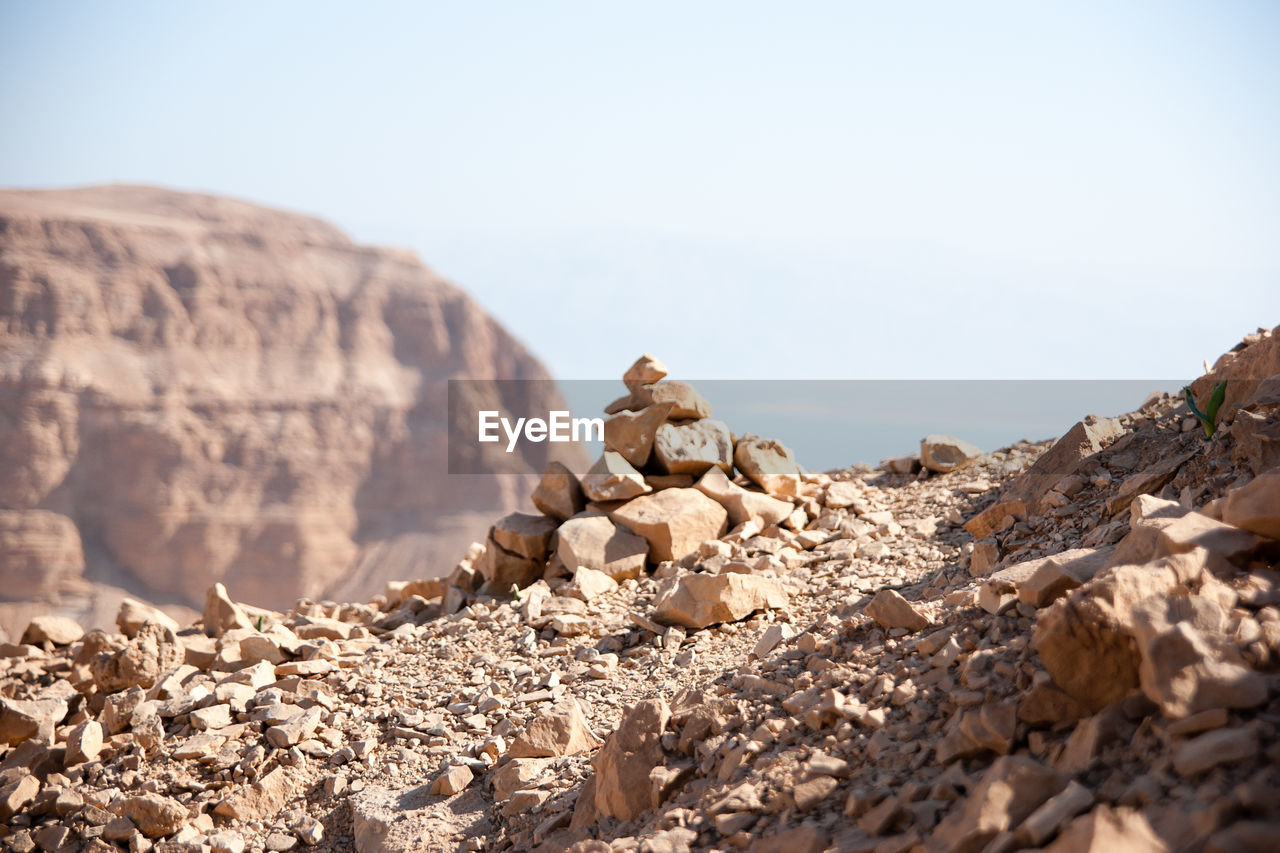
(613, 478)
(944, 453)
(692, 448)
(769, 464)
(593, 541)
(673, 521)
(699, 600)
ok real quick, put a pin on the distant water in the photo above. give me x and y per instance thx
(834, 423)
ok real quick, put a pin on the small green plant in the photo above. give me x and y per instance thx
(261, 619)
(515, 592)
(1210, 416)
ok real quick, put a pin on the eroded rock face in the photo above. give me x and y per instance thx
(206, 390)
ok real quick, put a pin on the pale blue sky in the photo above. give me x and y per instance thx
(749, 190)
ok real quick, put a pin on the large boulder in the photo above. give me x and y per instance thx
(673, 521)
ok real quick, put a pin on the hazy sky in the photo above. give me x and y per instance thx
(749, 190)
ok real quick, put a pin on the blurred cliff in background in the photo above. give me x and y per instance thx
(197, 389)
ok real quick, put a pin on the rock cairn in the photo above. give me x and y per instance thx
(1066, 645)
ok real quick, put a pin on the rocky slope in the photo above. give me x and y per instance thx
(195, 389)
(1069, 645)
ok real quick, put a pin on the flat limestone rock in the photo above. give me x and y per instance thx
(673, 521)
(591, 540)
(559, 494)
(769, 464)
(613, 478)
(696, 600)
(692, 448)
(631, 434)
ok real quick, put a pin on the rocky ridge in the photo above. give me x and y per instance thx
(1066, 645)
(196, 389)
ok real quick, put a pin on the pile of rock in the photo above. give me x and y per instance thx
(663, 489)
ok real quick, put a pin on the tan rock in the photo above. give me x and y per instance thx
(17, 794)
(591, 540)
(685, 402)
(612, 478)
(133, 614)
(692, 448)
(559, 494)
(1082, 441)
(1257, 438)
(265, 797)
(452, 781)
(560, 730)
(221, 614)
(1222, 746)
(631, 434)
(21, 719)
(84, 742)
(997, 517)
(891, 610)
(59, 630)
(296, 730)
(503, 569)
(623, 765)
(1225, 543)
(516, 774)
(118, 709)
(646, 370)
(741, 504)
(589, 583)
(523, 534)
(1188, 664)
(1085, 639)
(1108, 830)
(673, 521)
(695, 600)
(769, 464)
(155, 816)
(1045, 821)
(1055, 576)
(944, 453)
(1011, 789)
(1256, 506)
(153, 652)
